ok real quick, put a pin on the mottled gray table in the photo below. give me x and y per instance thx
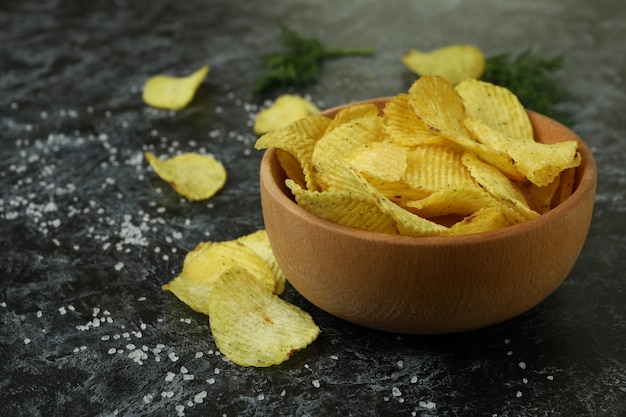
(89, 233)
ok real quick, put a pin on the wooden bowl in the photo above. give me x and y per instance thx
(429, 285)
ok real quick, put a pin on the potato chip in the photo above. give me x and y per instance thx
(403, 126)
(492, 180)
(173, 93)
(203, 266)
(540, 163)
(348, 208)
(447, 201)
(194, 176)
(356, 111)
(253, 327)
(285, 110)
(339, 141)
(483, 220)
(455, 63)
(379, 161)
(298, 139)
(259, 242)
(497, 107)
(435, 101)
(434, 167)
(408, 224)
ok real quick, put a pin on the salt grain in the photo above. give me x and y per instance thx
(522, 365)
(518, 394)
(26, 341)
(316, 383)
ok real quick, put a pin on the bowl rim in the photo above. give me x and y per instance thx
(585, 184)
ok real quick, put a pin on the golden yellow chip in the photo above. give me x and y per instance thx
(433, 168)
(298, 139)
(483, 220)
(408, 224)
(339, 141)
(356, 111)
(285, 110)
(253, 327)
(173, 93)
(400, 192)
(194, 176)
(259, 242)
(203, 266)
(497, 107)
(540, 198)
(447, 201)
(496, 183)
(455, 63)
(404, 127)
(348, 208)
(379, 161)
(435, 101)
(540, 163)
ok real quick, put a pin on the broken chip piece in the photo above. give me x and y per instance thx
(194, 176)
(252, 326)
(173, 93)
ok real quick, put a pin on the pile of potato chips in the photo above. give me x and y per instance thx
(237, 283)
(438, 160)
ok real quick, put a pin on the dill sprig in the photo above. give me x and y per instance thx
(531, 78)
(301, 63)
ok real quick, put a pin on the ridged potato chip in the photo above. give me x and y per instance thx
(259, 242)
(433, 168)
(540, 163)
(451, 201)
(204, 265)
(404, 128)
(252, 326)
(497, 107)
(357, 111)
(173, 93)
(379, 161)
(194, 176)
(496, 183)
(358, 210)
(285, 110)
(408, 224)
(299, 140)
(483, 220)
(455, 63)
(335, 144)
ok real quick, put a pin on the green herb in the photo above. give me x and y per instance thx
(531, 78)
(300, 64)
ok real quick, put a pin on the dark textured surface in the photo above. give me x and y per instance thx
(89, 233)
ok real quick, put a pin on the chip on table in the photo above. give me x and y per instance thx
(441, 159)
(173, 93)
(194, 176)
